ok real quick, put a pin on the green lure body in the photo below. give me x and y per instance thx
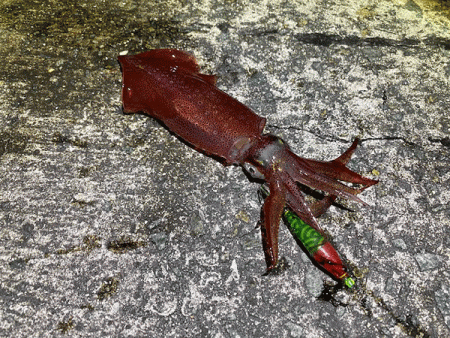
(310, 238)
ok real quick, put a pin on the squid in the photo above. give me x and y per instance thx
(167, 85)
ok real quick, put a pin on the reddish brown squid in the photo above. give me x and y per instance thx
(167, 85)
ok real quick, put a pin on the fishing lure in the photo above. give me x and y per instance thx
(318, 247)
(167, 85)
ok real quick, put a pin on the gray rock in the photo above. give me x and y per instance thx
(428, 261)
(159, 239)
(442, 297)
(314, 281)
(399, 243)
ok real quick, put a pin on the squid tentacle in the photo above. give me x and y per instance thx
(297, 202)
(272, 211)
(339, 171)
(303, 173)
(337, 168)
(347, 155)
(318, 208)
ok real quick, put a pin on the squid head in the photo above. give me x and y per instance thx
(270, 159)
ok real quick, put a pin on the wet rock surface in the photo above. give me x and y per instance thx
(110, 226)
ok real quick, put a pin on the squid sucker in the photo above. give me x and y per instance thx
(167, 85)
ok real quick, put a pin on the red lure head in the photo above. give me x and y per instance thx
(329, 259)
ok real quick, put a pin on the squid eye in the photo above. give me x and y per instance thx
(253, 171)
